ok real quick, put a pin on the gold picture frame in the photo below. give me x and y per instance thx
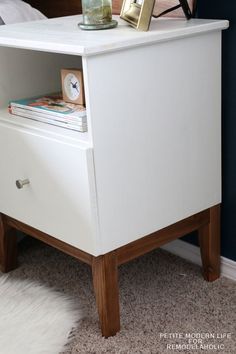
(138, 13)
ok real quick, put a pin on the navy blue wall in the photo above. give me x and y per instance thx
(226, 9)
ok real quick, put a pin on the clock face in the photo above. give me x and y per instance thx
(72, 86)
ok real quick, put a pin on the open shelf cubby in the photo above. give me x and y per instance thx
(26, 73)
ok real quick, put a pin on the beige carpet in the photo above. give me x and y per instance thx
(159, 293)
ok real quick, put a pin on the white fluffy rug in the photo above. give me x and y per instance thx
(34, 319)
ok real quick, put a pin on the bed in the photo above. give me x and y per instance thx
(58, 8)
(13, 11)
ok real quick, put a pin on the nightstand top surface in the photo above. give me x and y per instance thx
(62, 35)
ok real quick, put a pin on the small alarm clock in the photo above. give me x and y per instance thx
(72, 86)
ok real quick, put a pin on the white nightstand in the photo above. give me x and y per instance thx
(149, 168)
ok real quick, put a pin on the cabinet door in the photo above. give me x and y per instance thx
(60, 197)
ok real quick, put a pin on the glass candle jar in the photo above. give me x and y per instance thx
(97, 14)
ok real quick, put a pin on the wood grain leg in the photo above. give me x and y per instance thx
(8, 247)
(105, 281)
(209, 240)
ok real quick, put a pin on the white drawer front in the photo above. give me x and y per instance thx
(60, 199)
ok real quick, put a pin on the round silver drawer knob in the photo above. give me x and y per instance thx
(21, 183)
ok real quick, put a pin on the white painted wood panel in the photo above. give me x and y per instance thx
(48, 130)
(156, 127)
(62, 35)
(60, 199)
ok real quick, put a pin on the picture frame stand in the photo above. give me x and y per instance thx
(138, 13)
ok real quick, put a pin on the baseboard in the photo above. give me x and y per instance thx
(192, 253)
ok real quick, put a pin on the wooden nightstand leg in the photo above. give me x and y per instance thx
(105, 281)
(209, 240)
(8, 247)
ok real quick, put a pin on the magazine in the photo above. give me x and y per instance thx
(78, 127)
(52, 104)
(41, 114)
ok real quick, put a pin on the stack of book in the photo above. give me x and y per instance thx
(51, 109)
